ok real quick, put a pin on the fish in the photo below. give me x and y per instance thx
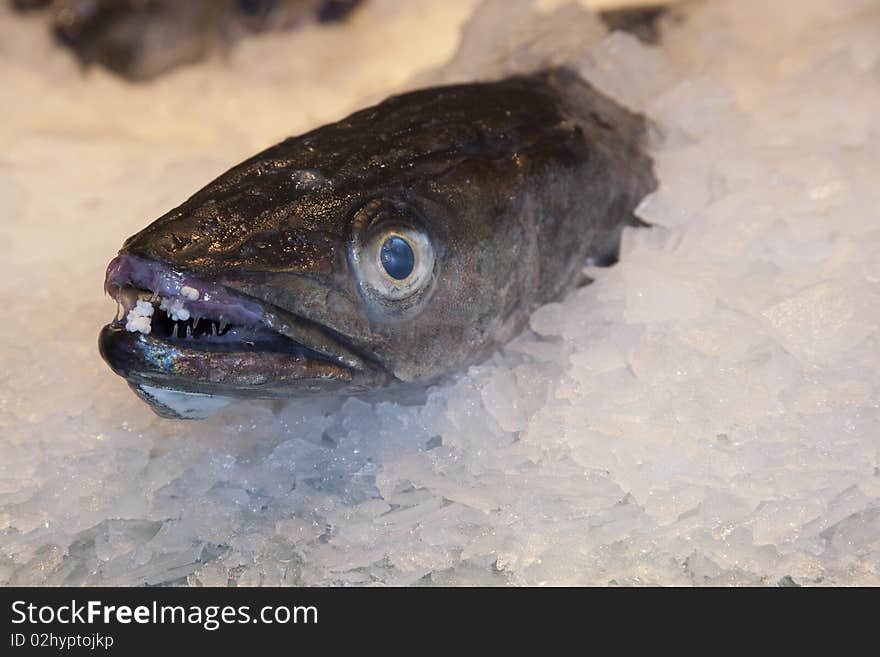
(643, 21)
(142, 39)
(394, 247)
(29, 5)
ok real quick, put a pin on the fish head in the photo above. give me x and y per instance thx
(373, 250)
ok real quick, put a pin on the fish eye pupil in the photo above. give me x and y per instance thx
(397, 257)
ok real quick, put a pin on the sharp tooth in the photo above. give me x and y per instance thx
(174, 330)
(189, 331)
(213, 328)
(223, 325)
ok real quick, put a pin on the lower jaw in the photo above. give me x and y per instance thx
(147, 361)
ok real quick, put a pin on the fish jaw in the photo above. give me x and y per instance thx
(177, 405)
(178, 333)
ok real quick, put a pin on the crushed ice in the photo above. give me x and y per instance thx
(139, 318)
(190, 293)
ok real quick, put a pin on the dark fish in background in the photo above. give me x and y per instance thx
(28, 5)
(642, 21)
(140, 39)
(400, 244)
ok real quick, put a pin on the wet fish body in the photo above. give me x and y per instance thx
(399, 244)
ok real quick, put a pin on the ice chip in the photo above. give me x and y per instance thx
(138, 319)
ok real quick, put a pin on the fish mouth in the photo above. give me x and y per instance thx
(175, 331)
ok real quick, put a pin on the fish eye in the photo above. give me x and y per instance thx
(391, 255)
(399, 262)
(397, 257)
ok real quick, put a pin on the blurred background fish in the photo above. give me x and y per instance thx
(141, 39)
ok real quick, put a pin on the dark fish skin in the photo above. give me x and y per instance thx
(515, 185)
